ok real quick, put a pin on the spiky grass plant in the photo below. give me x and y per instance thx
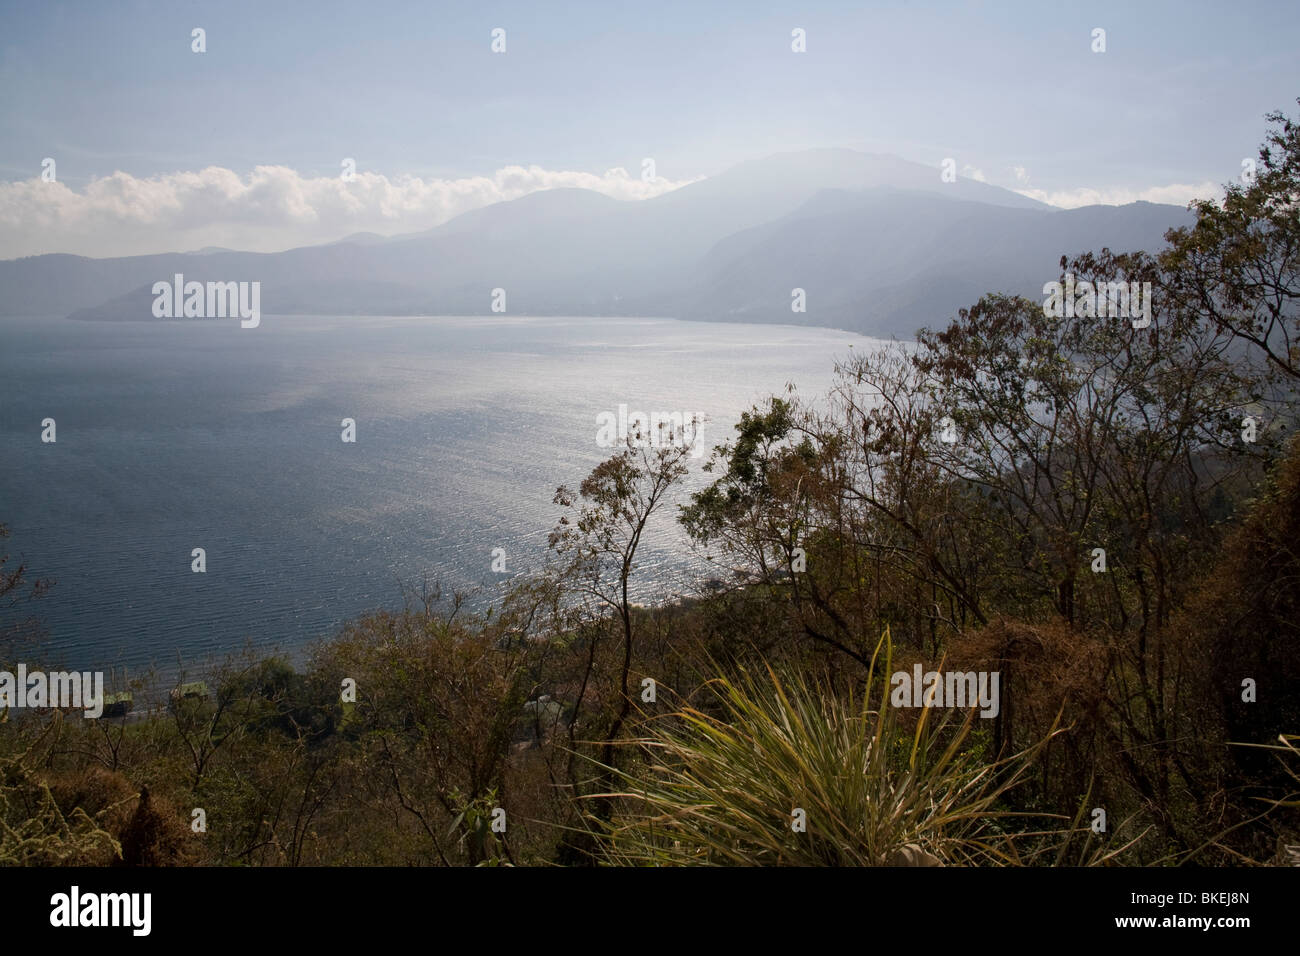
(726, 790)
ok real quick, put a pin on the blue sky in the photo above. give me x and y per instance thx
(413, 90)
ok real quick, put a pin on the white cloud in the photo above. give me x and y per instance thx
(972, 173)
(1176, 194)
(1021, 174)
(273, 208)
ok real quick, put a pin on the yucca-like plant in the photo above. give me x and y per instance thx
(727, 791)
(1287, 750)
(1288, 746)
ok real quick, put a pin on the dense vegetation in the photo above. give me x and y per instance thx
(1106, 516)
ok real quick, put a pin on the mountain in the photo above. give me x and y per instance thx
(888, 261)
(880, 245)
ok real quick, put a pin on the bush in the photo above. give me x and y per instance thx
(723, 790)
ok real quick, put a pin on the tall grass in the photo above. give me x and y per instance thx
(723, 790)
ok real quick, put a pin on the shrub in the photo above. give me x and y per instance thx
(722, 790)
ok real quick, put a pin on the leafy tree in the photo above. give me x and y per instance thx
(613, 508)
(1238, 267)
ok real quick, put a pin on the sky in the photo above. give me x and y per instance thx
(159, 148)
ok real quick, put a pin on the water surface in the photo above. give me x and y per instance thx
(179, 435)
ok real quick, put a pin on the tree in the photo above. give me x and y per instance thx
(1238, 267)
(840, 512)
(599, 546)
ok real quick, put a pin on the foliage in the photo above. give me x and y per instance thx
(724, 790)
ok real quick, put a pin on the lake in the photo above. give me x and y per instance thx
(173, 436)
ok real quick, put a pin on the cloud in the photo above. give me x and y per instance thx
(1176, 194)
(972, 173)
(273, 208)
(1021, 174)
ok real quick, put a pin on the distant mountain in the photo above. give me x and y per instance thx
(360, 239)
(887, 261)
(880, 245)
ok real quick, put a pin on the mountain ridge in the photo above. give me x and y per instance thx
(878, 244)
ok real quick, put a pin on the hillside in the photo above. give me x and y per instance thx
(879, 245)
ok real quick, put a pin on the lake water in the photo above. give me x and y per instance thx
(180, 435)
